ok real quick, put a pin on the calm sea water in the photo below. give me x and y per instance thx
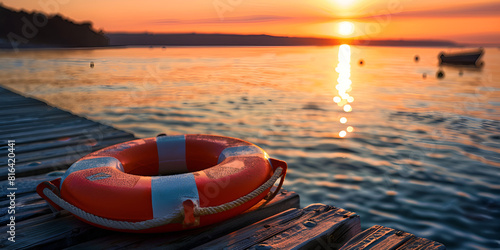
(402, 150)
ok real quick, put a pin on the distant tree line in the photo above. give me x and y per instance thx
(20, 29)
(193, 39)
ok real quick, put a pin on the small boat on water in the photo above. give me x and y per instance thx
(461, 58)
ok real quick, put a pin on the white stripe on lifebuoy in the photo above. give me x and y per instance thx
(105, 161)
(168, 192)
(171, 154)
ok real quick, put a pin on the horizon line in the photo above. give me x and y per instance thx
(340, 39)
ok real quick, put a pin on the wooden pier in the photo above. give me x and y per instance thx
(48, 140)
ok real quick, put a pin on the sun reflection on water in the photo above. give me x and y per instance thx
(343, 87)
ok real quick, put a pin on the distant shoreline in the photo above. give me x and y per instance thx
(194, 39)
(139, 40)
(197, 39)
(4, 49)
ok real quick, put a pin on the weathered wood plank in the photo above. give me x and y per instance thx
(189, 239)
(62, 123)
(24, 203)
(26, 185)
(316, 226)
(70, 141)
(9, 96)
(30, 111)
(28, 203)
(40, 118)
(54, 233)
(6, 104)
(27, 214)
(12, 98)
(422, 244)
(19, 118)
(54, 131)
(61, 162)
(101, 129)
(35, 124)
(90, 143)
(382, 238)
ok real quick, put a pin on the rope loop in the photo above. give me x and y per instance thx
(156, 222)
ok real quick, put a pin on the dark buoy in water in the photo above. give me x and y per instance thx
(361, 62)
(440, 74)
(92, 65)
(424, 75)
(417, 58)
(461, 73)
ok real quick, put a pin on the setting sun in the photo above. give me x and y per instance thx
(345, 28)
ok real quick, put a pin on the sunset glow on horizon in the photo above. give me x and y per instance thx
(459, 20)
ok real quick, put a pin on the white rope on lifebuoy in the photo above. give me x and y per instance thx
(199, 211)
(156, 222)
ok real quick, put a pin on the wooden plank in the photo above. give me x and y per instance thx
(382, 238)
(316, 226)
(28, 203)
(102, 129)
(53, 130)
(26, 185)
(60, 162)
(33, 119)
(18, 117)
(70, 141)
(24, 203)
(62, 123)
(191, 238)
(422, 244)
(27, 214)
(29, 111)
(7, 104)
(54, 233)
(91, 143)
(16, 98)
(98, 129)
(39, 122)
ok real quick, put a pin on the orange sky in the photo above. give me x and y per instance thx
(458, 20)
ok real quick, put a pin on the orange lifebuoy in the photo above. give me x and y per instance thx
(143, 181)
